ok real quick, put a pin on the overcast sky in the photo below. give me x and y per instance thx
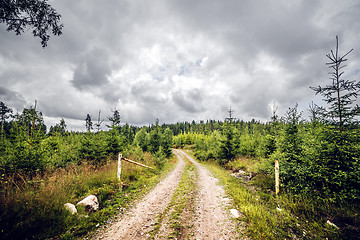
(178, 60)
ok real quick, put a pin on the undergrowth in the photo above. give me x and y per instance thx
(33, 207)
(286, 216)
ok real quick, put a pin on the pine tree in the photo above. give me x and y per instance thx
(155, 139)
(88, 123)
(4, 111)
(228, 144)
(114, 119)
(336, 170)
(167, 142)
(340, 94)
(142, 139)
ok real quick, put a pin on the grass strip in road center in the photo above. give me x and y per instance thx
(178, 214)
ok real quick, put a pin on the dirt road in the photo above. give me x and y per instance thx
(198, 210)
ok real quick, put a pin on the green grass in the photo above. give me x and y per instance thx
(32, 208)
(183, 198)
(181, 205)
(285, 216)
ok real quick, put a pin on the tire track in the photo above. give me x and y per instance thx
(206, 217)
(138, 221)
(212, 218)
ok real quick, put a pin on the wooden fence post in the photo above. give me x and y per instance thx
(119, 166)
(277, 181)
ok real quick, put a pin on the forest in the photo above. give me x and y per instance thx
(319, 158)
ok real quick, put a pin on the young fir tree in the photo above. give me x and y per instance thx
(340, 95)
(5, 112)
(142, 139)
(155, 138)
(167, 142)
(115, 141)
(115, 119)
(293, 166)
(59, 128)
(228, 144)
(27, 132)
(336, 171)
(88, 123)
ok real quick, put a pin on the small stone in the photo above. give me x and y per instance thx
(235, 213)
(91, 203)
(227, 200)
(70, 207)
(331, 224)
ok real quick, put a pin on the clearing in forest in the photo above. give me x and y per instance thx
(188, 204)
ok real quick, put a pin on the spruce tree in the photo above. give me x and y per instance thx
(167, 142)
(4, 114)
(88, 123)
(336, 170)
(340, 94)
(115, 119)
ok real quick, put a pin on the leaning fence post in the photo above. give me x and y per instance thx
(277, 181)
(119, 166)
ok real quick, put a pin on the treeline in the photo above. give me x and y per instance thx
(318, 158)
(42, 170)
(27, 146)
(315, 158)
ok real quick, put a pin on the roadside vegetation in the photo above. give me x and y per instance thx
(317, 199)
(319, 163)
(286, 216)
(319, 195)
(41, 171)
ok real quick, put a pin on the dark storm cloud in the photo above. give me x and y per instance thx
(11, 98)
(147, 93)
(178, 60)
(93, 71)
(190, 101)
(288, 32)
(273, 25)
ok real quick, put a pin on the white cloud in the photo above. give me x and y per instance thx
(177, 60)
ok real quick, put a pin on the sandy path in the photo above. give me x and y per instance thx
(139, 220)
(212, 218)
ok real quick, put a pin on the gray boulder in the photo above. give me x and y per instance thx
(91, 203)
(70, 207)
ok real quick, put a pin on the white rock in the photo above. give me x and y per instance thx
(226, 200)
(91, 203)
(332, 224)
(235, 213)
(70, 207)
